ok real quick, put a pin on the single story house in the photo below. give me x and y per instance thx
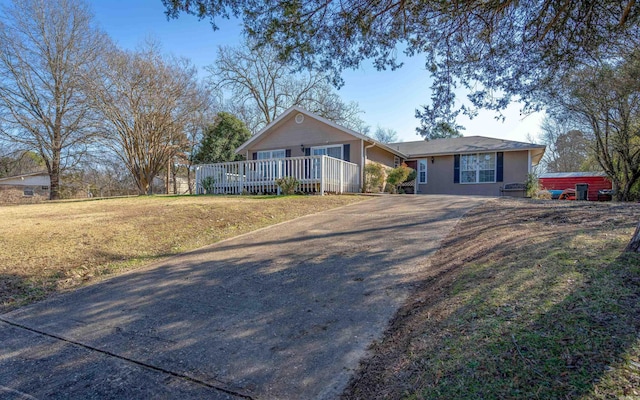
(37, 183)
(325, 156)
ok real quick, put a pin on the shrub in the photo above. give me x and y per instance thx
(207, 184)
(532, 185)
(398, 175)
(288, 185)
(373, 177)
(543, 195)
(412, 175)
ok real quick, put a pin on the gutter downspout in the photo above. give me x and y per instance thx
(364, 155)
(365, 150)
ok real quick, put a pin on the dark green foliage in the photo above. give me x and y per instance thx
(221, 139)
(439, 129)
(499, 50)
(208, 184)
(412, 175)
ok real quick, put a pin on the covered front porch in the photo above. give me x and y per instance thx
(315, 174)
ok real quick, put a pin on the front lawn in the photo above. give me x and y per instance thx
(48, 247)
(525, 300)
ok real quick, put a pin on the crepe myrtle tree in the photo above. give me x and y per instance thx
(147, 101)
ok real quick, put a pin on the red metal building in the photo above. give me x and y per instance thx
(568, 180)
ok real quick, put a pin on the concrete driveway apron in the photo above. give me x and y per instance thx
(283, 312)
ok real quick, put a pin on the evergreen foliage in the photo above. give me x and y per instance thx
(221, 139)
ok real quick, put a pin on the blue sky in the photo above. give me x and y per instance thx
(388, 98)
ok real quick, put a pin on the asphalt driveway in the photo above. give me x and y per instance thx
(284, 312)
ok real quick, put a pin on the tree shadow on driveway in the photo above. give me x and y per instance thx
(284, 312)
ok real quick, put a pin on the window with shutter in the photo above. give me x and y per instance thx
(477, 168)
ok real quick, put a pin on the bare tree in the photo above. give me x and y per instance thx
(195, 131)
(262, 87)
(104, 175)
(147, 101)
(568, 149)
(385, 135)
(47, 48)
(605, 100)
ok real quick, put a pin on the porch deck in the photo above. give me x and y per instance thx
(315, 174)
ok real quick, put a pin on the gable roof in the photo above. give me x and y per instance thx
(466, 144)
(295, 109)
(22, 176)
(416, 149)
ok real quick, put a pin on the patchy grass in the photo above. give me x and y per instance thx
(45, 248)
(526, 299)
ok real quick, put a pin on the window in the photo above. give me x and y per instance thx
(28, 191)
(269, 170)
(265, 155)
(331, 151)
(396, 161)
(478, 168)
(422, 171)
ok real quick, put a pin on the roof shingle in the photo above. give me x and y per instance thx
(465, 144)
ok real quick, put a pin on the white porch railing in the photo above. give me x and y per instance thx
(315, 174)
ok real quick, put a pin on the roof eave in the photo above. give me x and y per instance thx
(448, 153)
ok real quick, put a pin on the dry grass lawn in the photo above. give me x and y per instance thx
(525, 300)
(49, 247)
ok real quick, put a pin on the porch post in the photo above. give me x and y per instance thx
(341, 176)
(322, 175)
(241, 177)
(198, 180)
(278, 175)
(362, 164)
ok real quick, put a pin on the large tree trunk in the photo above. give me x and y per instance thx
(53, 168)
(634, 243)
(54, 188)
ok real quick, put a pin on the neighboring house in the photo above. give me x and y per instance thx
(37, 183)
(326, 157)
